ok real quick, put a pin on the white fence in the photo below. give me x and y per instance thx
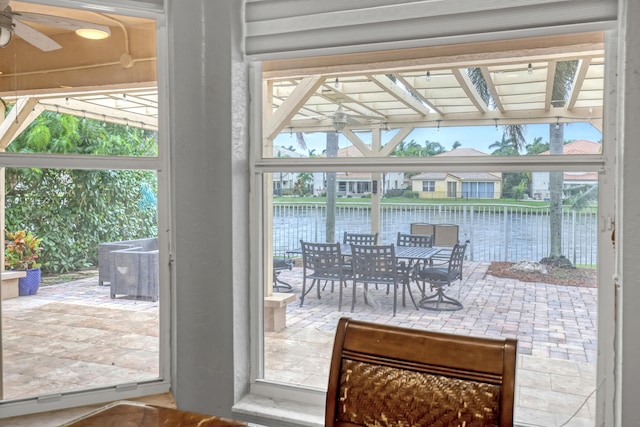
(496, 232)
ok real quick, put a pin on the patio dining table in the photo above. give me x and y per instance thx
(407, 257)
(409, 253)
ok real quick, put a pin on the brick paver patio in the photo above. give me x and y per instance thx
(73, 336)
(555, 326)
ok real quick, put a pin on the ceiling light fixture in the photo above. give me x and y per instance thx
(93, 33)
(5, 36)
(428, 75)
(557, 123)
(530, 68)
(339, 119)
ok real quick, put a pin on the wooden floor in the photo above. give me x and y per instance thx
(56, 418)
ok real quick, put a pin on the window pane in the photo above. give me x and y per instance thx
(93, 319)
(443, 112)
(553, 314)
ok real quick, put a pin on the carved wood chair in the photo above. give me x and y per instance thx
(394, 376)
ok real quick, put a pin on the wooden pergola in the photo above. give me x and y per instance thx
(431, 87)
(112, 80)
(427, 87)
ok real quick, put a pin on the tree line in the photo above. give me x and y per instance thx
(74, 210)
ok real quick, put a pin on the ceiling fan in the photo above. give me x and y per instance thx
(15, 23)
(341, 119)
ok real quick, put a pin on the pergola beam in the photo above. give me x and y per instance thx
(467, 86)
(21, 115)
(583, 68)
(551, 74)
(470, 119)
(291, 105)
(400, 94)
(492, 88)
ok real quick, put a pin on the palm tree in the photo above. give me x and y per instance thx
(504, 147)
(564, 74)
(514, 133)
(537, 146)
(433, 148)
(565, 71)
(332, 151)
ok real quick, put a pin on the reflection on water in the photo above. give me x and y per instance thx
(497, 233)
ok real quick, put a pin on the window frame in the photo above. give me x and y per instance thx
(289, 396)
(159, 165)
(429, 186)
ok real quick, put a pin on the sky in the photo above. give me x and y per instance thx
(478, 137)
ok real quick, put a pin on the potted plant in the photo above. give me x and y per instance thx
(22, 251)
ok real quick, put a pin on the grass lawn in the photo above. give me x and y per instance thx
(413, 201)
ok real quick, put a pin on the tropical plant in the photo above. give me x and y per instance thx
(537, 146)
(303, 184)
(22, 250)
(76, 209)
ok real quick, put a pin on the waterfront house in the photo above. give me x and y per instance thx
(458, 185)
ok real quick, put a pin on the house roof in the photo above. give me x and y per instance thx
(349, 151)
(461, 151)
(436, 176)
(580, 176)
(580, 146)
(461, 176)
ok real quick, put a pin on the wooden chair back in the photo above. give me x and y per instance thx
(446, 234)
(422, 228)
(390, 375)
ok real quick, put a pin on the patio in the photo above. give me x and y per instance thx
(555, 327)
(71, 335)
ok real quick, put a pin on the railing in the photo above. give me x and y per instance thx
(497, 232)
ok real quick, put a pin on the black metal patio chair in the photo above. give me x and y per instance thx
(280, 265)
(322, 261)
(360, 238)
(377, 264)
(415, 240)
(439, 277)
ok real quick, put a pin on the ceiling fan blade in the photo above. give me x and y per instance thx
(58, 21)
(360, 116)
(34, 37)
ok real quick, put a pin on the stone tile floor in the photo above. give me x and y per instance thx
(73, 335)
(555, 327)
